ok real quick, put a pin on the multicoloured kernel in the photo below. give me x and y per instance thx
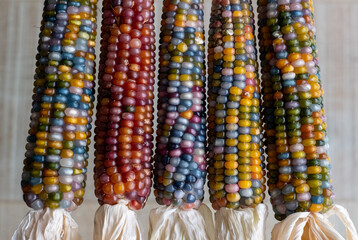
(56, 158)
(124, 126)
(235, 150)
(298, 163)
(180, 161)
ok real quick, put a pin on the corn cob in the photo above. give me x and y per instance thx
(296, 137)
(235, 168)
(125, 103)
(56, 158)
(180, 164)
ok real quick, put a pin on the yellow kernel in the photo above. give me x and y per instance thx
(245, 138)
(314, 170)
(219, 164)
(40, 151)
(302, 30)
(233, 197)
(300, 154)
(77, 83)
(300, 70)
(52, 204)
(37, 189)
(185, 77)
(244, 123)
(178, 59)
(246, 102)
(239, 70)
(70, 120)
(77, 171)
(192, 17)
(231, 157)
(302, 188)
(244, 168)
(255, 154)
(244, 176)
(287, 69)
(232, 112)
(244, 184)
(182, 47)
(308, 142)
(79, 193)
(218, 186)
(231, 142)
(231, 119)
(316, 207)
(229, 58)
(256, 169)
(235, 91)
(231, 165)
(65, 187)
(41, 143)
(66, 77)
(243, 146)
(50, 180)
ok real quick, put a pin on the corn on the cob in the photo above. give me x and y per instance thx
(125, 103)
(298, 164)
(56, 158)
(180, 164)
(235, 168)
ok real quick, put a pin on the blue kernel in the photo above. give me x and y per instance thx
(255, 117)
(296, 13)
(183, 170)
(179, 184)
(227, 78)
(197, 173)
(72, 104)
(80, 68)
(35, 181)
(74, 97)
(184, 164)
(317, 199)
(289, 83)
(283, 155)
(83, 106)
(55, 48)
(282, 55)
(190, 179)
(39, 158)
(78, 150)
(67, 56)
(170, 188)
(79, 60)
(190, 198)
(325, 184)
(57, 122)
(47, 98)
(231, 179)
(288, 189)
(84, 28)
(187, 187)
(63, 91)
(186, 157)
(193, 165)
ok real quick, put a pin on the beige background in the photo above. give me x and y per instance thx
(337, 23)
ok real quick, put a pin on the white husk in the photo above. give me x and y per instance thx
(47, 224)
(307, 226)
(205, 211)
(172, 223)
(116, 222)
(243, 224)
